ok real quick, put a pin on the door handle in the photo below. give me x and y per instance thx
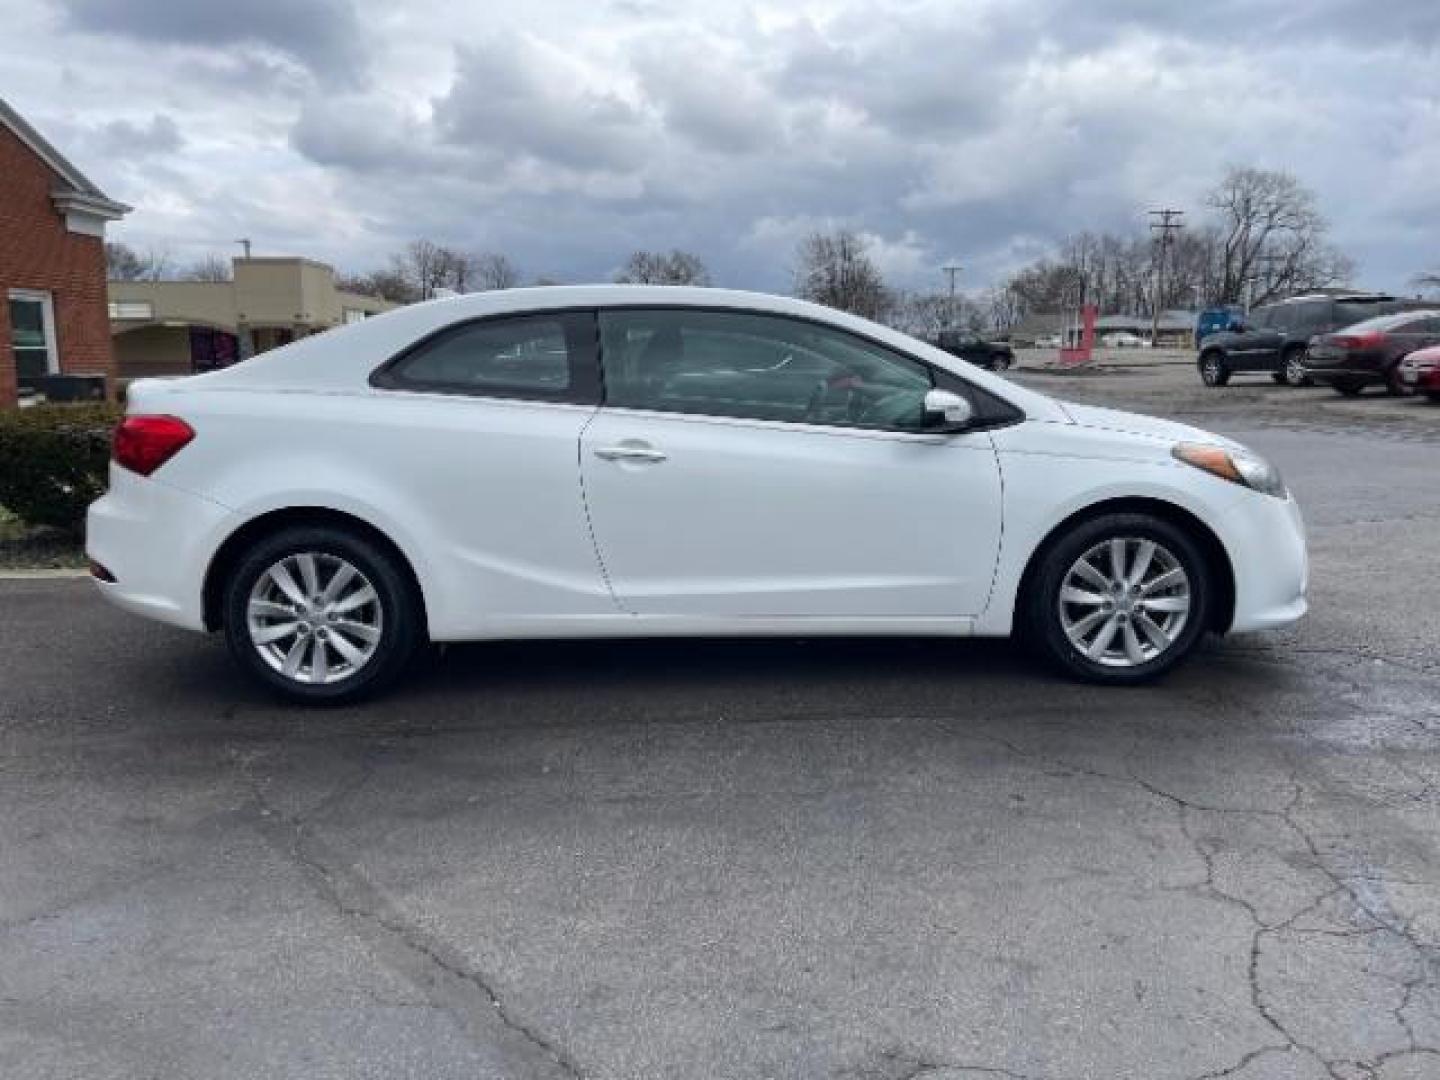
(629, 453)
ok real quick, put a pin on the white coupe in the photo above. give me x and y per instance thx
(645, 461)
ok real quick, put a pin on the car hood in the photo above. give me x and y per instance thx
(1135, 424)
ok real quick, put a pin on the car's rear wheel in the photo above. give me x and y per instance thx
(1397, 386)
(1214, 371)
(1292, 371)
(321, 615)
(1348, 387)
(1119, 599)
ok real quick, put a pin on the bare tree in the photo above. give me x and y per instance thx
(663, 268)
(387, 284)
(211, 267)
(124, 263)
(488, 270)
(1272, 238)
(834, 269)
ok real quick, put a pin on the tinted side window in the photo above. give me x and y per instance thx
(1309, 317)
(546, 357)
(763, 367)
(1260, 319)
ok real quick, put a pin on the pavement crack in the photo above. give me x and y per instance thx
(436, 968)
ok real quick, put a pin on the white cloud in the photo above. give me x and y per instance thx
(570, 133)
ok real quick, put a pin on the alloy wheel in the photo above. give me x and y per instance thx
(315, 618)
(1295, 373)
(1125, 601)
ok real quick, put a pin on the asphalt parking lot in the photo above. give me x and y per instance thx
(860, 859)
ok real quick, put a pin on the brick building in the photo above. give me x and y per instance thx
(54, 317)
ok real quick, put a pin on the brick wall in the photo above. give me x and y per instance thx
(38, 252)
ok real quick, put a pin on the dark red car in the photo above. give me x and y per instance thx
(1420, 372)
(1369, 353)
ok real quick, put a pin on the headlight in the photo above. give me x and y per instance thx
(1241, 468)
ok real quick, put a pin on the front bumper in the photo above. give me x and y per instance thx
(156, 541)
(1266, 540)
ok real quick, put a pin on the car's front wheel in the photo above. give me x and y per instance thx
(321, 615)
(1214, 371)
(1120, 599)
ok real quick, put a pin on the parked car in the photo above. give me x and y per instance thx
(639, 461)
(1123, 339)
(1272, 339)
(1369, 353)
(971, 347)
(1420, 371)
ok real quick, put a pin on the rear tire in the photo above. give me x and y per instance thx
(1121, 628)
(1214, 371)
(321, 615)
(1292, 369)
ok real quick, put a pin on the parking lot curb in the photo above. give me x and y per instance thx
(44, 575)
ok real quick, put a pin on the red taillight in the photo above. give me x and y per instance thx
(144, 443)
(1372, 339)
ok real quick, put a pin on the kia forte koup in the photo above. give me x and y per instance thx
(643, 462)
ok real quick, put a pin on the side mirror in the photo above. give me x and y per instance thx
(947, 411)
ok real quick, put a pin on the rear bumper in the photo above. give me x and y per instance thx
(157, 542)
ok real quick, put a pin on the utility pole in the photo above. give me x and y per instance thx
(951, 270)
(1163, 226)
(244, 243)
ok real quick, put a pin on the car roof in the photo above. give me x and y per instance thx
(342, 359)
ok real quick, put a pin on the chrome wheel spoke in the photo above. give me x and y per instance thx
(283, 580)
(319, 662)
(274, 632)
(1090, 574)
(350, 628)
(1098, 647)
(1133, 651)
(1166, 580)
(1080, 628)
(357, 599)
(1117, 559)
(309, 575)
(338, 581)
(269, 609)
(348, 650)
(291, 667)
(1151, 629)
(1143, 557)
(1072, 595)
(1166, 604)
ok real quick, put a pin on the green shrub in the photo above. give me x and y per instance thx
(54, 460)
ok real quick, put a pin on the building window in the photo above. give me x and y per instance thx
(32, 333)
(131, 309)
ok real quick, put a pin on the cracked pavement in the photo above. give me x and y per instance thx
(863, 859)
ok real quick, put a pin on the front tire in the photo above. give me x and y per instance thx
(321, 615)
(1119, 599)
(1214, 371)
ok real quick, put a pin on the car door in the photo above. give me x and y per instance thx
(477, 426)
(749, 464)
(1264, 339)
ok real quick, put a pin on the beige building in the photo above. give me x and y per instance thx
(180, 327)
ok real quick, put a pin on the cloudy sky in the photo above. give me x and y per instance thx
(567, 133)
